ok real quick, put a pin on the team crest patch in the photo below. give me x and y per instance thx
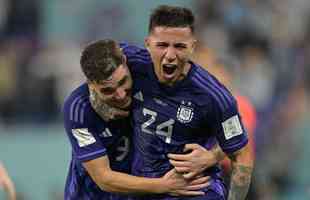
(185, 114)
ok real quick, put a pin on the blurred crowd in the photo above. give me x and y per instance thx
(259, 48)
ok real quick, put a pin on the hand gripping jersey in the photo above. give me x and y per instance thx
(197, 109)
(91, 138)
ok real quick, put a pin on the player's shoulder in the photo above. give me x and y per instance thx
(135, 53)
(209, 87)
(77, 108)
(138, 59)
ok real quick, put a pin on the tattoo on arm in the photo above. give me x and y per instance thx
(240, 182)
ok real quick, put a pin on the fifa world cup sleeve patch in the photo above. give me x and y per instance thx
(232, 127)
(83, 136)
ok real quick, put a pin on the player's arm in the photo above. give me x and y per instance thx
(7, 184)
(232, 137)
(89, 150)
(197, 160)
(113, 181)
(242, 166)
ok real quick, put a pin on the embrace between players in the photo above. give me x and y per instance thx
(151, 124)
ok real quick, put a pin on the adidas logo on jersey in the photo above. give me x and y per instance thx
(160, 102)
(139, 96)
(106, 133)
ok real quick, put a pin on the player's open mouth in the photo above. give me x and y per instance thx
(169, 70)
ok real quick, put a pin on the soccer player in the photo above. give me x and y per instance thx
(96, 122)
(176, 102)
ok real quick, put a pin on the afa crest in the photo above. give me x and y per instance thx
(185, 113)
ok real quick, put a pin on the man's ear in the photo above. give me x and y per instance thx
(147, 43)
(90, 85)
(124, 58)
(194, 44)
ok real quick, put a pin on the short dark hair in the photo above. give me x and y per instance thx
(100, 59)
(171, 16)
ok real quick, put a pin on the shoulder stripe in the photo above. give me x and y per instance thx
(77, 109)
(204, 86)
(138, 52)
(223, 90)
(139, 58)
(82, 113)
(73, 105)
(92, 153)
(214, 91)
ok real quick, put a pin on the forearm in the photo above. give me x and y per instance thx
(240, 182)
(242, 166)
(113, 181)
(117, 182)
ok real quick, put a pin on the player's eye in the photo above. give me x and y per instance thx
(107, 91)
(180, 46)
(162, 45)
(123, 81)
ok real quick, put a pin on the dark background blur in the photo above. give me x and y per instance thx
(261, 48)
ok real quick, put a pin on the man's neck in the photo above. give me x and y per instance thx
(105, 111)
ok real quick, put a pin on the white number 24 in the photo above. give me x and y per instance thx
(168, 125)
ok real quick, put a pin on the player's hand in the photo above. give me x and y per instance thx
(177, 185)
(193, 163)
(7, 184)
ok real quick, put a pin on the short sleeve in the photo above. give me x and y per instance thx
(79, 125)
(228, 127)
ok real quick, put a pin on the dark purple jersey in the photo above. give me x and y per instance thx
(197, 109)
(91, 138)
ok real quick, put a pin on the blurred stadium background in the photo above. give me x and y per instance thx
(260, 48)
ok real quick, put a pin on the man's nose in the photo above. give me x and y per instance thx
(120, 93)
(170, 54)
